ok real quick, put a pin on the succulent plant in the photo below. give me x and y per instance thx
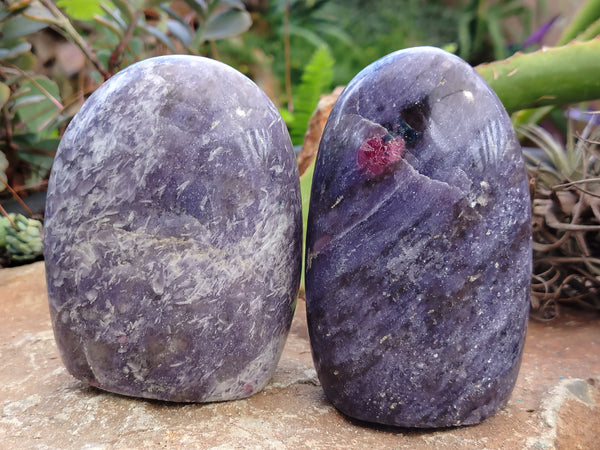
(3, 167)
(565, 185)
(20, 237)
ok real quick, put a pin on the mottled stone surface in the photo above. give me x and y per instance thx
(173, 234)
(418, 246)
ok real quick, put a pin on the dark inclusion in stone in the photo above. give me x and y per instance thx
(418, 246)
(173, 234)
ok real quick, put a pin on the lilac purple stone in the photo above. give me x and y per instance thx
(173, 234)
(418, 260)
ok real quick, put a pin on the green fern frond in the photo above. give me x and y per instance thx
(316, 80)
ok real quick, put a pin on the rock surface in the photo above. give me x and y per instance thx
(173, 234)
(418, 246)
(555, 403)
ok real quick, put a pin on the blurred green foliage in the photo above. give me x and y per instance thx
(316, 80)
(36, 104)
(481, 34)
(330, 41)
(357, 32)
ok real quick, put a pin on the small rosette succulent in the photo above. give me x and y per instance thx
(20, 237)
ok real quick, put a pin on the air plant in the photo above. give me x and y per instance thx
(565, 187)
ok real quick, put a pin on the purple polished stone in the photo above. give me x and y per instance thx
(418, 246)
(173, 234)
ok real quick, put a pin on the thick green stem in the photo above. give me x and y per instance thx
(551, 76)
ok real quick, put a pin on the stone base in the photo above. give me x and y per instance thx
(555, 404)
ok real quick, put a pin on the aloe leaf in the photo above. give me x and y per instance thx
(590, 32)
(551, 76)
(586, 15)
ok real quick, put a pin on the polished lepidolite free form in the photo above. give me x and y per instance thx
(173, 234)
(418, 246)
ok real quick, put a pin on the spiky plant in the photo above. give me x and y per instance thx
(20, 238)
(565, 188)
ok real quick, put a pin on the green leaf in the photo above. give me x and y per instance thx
(14, 9)
(34, 107)
(136, 45)
(40, 166)
(111, 25)
(586, 16)
(148, 4)
(125, 9)
(340, 35)
(316, 80)
(226, 24)
(10, 51)
(20, 26)
(287, 116)
(590, 32)
(39, 13)
(4, 94)
(103, 56)
(180, 31)
(497, 37)
(232, 4)
(81, 9)
(199, 6)
(307, 34)
(464, 36)
(3, 167)
(116, 15)
(162, 37)
(39, 152)
(28, 100)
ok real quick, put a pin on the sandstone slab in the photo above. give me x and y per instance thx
(555, 403)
